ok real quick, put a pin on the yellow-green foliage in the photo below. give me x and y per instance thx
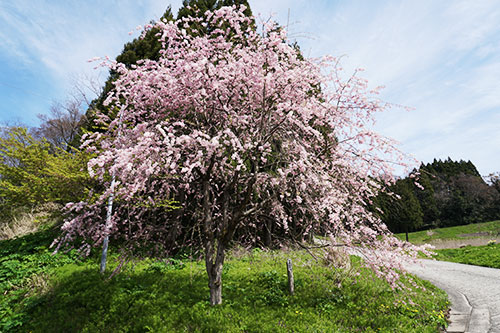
(33, 172)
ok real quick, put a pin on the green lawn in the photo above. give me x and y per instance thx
(44, 293)
(486, 229)
(487, 255)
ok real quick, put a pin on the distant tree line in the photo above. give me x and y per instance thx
(445, 193)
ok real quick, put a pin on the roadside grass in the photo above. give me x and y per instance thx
(486, 229)
(487, 255)
(45, 293)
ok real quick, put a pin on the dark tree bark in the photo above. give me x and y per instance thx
(220, 225)
(214, 272)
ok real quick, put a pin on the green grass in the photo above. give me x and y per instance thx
(453, 233)
(24, 263)
(43, 293)
(487, 255)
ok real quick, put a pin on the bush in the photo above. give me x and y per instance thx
(32, 172)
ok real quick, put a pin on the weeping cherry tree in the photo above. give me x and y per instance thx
(238, 129)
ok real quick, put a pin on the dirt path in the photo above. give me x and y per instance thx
(456, 243)
(474, 293)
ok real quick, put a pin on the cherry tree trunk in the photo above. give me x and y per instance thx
(268, 233)
(214, 272)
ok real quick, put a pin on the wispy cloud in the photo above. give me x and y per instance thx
(56, 38)
(440, 57)
(62, 35)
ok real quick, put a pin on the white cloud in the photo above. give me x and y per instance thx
(61, 36)
(441, 57)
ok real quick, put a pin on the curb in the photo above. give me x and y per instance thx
(464, 318)
(460, 312)
(479, 320)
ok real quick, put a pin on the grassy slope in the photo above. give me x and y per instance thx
(450, 233)
(487, 255)
(69, 296)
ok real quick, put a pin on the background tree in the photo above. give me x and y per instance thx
(427, 201)
(32, 172)
(62, 125)
(238, 134)
(494, 180)
(450, 193)
(400, 208)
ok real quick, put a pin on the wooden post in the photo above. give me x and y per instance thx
(289, 270)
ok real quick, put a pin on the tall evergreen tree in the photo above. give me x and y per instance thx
(148, 47)
(427, 200)
(402, 212)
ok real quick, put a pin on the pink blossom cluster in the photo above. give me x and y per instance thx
(241, 131)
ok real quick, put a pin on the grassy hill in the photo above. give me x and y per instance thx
(486, 255)
(485, 230)
(42, 292)
(455, 243)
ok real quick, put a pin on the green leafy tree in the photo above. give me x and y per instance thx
(33, 172)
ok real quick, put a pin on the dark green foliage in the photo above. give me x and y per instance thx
(24, 266)
(143, 48)
(401, 214)
(449, 168)
(462, 196)
(427, 200)
(454, 194)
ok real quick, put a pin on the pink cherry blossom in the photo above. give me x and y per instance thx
(245, 136)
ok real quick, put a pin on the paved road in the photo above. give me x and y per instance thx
(474, 293)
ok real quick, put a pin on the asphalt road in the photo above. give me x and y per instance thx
(474, 293)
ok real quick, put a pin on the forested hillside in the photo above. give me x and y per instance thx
(445, 193)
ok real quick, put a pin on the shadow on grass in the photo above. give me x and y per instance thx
(170, 299)
(136, 302)
(155, 297)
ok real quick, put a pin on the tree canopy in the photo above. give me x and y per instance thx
(34, 172)
(241, 132)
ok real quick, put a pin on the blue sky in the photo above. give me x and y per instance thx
(440, 57)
